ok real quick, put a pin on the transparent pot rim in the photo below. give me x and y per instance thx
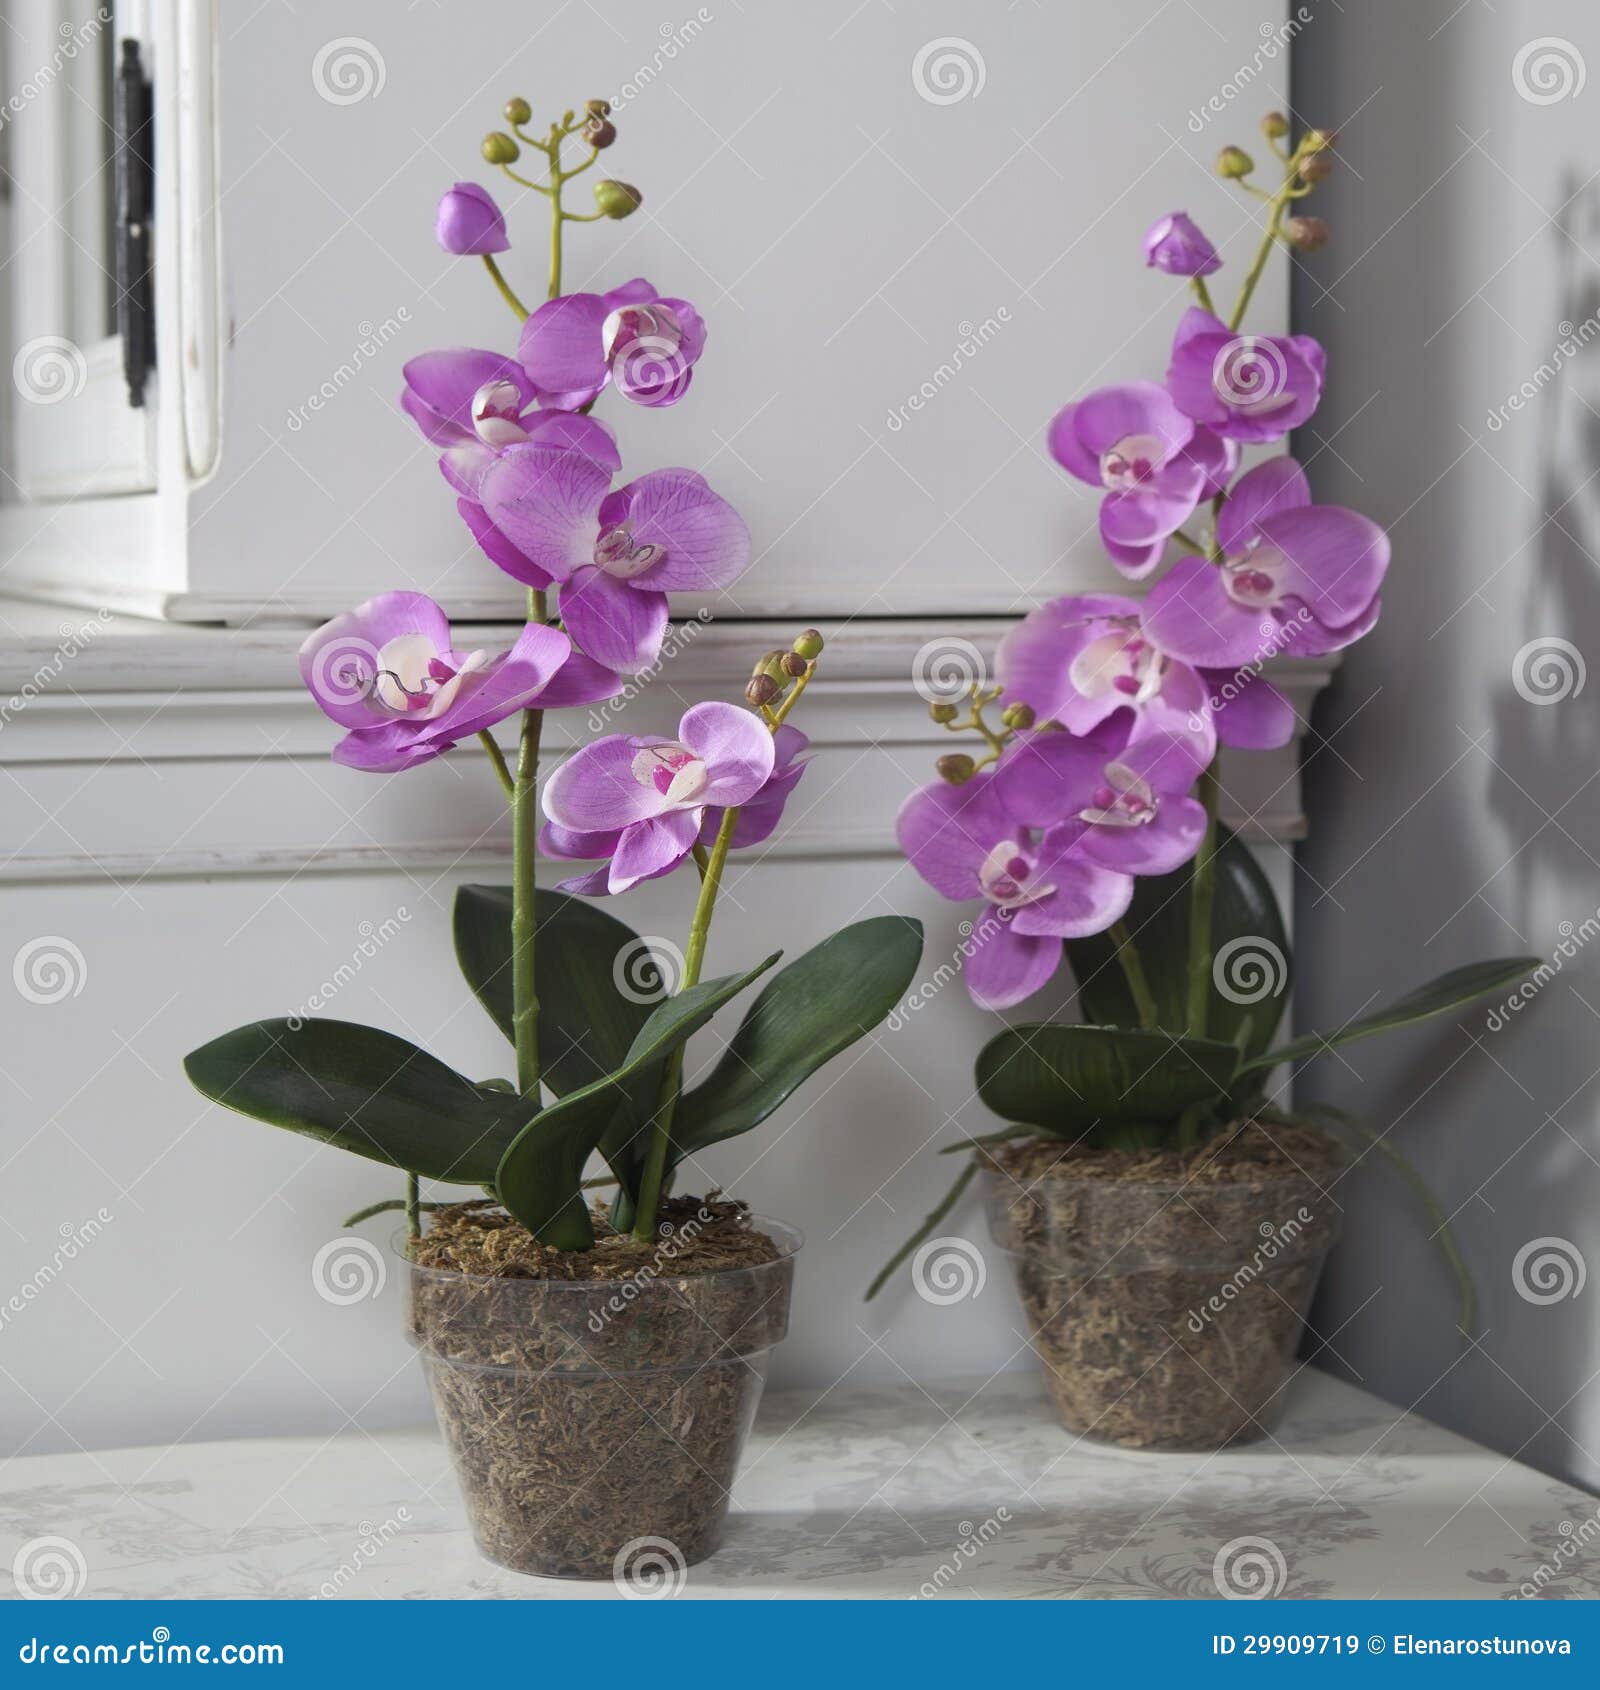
(789, 1239)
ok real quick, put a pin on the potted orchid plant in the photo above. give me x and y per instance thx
(1166, 1215)
(594, 1369)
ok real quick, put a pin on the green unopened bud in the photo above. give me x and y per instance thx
(518, 111)
(616, 199)
(1274, 126)
(761, 690)
(794, 665)
(1234, 163)
(599, 134)
(1306, 234)
(1017, 716)
(597, 108)
(943, 712)
(957, 768)
(809, 644)
(499, 148)
(1317, 168)
(770, 663)
(1318, 140)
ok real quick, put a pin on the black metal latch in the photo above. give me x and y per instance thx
(133, 162)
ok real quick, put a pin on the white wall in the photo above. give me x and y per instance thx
(1452, 817)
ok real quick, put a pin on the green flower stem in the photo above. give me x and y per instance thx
(524, 920)
(1202, 902)
(1202, 294)
(1133, 972)
(413, 1198)
(498, 759)
(1276, 205)
(1188, 539)
(505, 288)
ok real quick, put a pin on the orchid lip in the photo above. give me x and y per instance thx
(629, 324)
(672, 770)
(621, 556)
(1252, 580)
(1120, 661)
(496, 406)
(1128, 465)
(1126, 800)
(1009, 877)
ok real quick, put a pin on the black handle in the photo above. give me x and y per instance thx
(134, 179)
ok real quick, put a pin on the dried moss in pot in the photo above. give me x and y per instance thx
(1165, 1291)
(592, 1399)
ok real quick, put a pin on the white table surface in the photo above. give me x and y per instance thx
(867, 1493)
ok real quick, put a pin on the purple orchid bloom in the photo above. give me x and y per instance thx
(643, 801)
(644, 344)
(1088, 661)
(1248, 387)
(1177, 244)
(616, 554)
(1036, 891)
(469, 223)
(1294, 577)
(474, 404)
(387, 671)
(1152, 462)
(1130, 804)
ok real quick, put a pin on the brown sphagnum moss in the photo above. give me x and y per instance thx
(1165, 1290)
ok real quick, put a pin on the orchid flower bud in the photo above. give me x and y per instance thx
(597, 108)
(809, 644)
(1306, 234)
(942, 711)
(956, 767)
(599, 133)
(499, 148)
(761, 690)
(469, 223)
(1017, 716)
(1274, 126)
(794, 665)
(616, 199)
(518, 111)
(1317, 168)
(1234, 163)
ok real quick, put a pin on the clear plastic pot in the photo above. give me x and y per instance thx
(585, 1416)
(1166, 1314)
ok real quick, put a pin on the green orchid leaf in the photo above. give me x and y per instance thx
(540, 1178)
(1438, 997)
(804, 1016)
(362, 1090)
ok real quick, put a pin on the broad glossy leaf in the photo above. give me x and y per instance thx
(363, 1090)
(540, 1177)
(804, 1016)
(586, 1021)
(1449, 991)
(1068, 1080)
(1245, 916)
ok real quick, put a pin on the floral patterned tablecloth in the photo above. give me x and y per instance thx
(945, 1491)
